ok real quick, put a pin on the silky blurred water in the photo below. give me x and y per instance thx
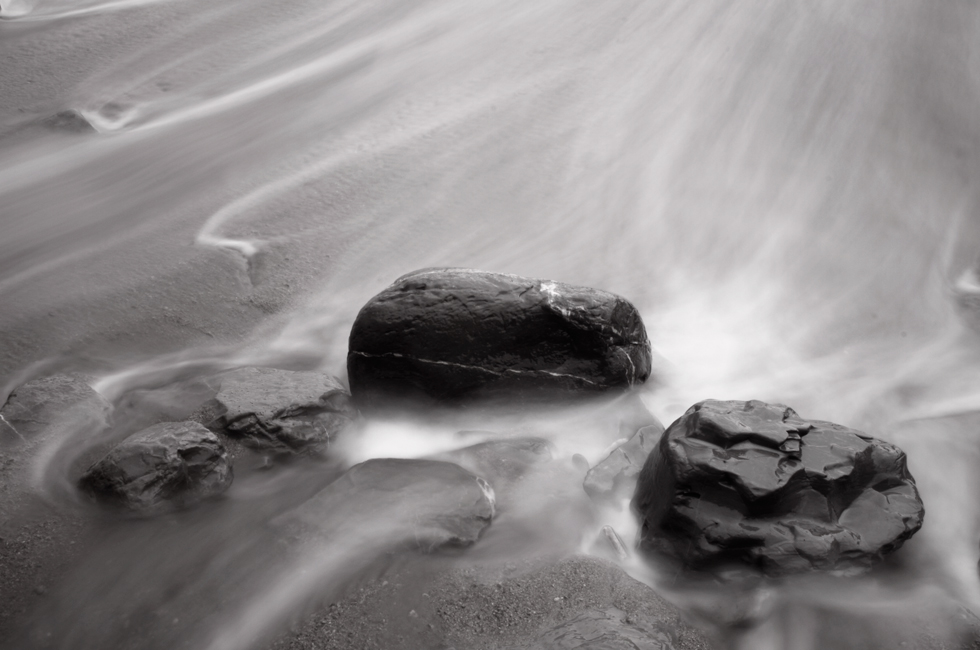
(787, 191)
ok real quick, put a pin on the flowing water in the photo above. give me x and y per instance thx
(788, 191)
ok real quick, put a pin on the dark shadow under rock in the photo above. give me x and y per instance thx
(172, 464)
(423, 504)
(447, 335)
(280, 411)
(750, 483)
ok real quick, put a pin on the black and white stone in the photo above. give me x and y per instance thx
(280, 411)
(421, 504)
(615, 476)
(57, 400)
(171, 464)
(750, 483)
(448, 335)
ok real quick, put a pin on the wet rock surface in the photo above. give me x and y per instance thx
(172, 464)
(280, 411)
(422, 504)
(507, 459)
(446, 335)
(49, 401)
(615, 476)
(750, 483)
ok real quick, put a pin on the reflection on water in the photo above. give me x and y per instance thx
(787, 191)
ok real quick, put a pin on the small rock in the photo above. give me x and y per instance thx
(615, 477)
(281, 411)
(50, 401)
(69, 121)
(615, 542)
(425, 504)
(447, 335)
(173, 464)
(753, 484)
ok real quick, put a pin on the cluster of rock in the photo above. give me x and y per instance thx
(745, 483)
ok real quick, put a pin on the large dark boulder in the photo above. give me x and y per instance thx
(280, 411)
(446, 335)
(753, 483)
(423, 504)
(172, 464)
(49, 402)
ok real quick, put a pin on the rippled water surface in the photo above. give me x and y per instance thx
(788, 191)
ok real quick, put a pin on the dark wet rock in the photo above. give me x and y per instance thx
(750, 483)
(280, 411)
(424, 504)
(69, 121)
(615, 477)
(447, 335)
(172, 464)
(58, 400)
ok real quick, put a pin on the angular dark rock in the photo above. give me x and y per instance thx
(446, 335)
(42, 403)
(280, 411)
(753, 483)
(615, 477)
(424, 504)
(172, 464)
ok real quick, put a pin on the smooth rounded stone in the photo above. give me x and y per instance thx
(280, 411)
(172, 464)
(424, 504)
(42, 403)
(615, 477)
(448, 335)
(750, 483)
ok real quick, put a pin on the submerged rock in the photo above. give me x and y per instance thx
(508, 459)
(505, 464)
(280, 411)
(615, 477)
(753, 483)
(50, 401)
(172, 464)
(424, 504)
(446, 335)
